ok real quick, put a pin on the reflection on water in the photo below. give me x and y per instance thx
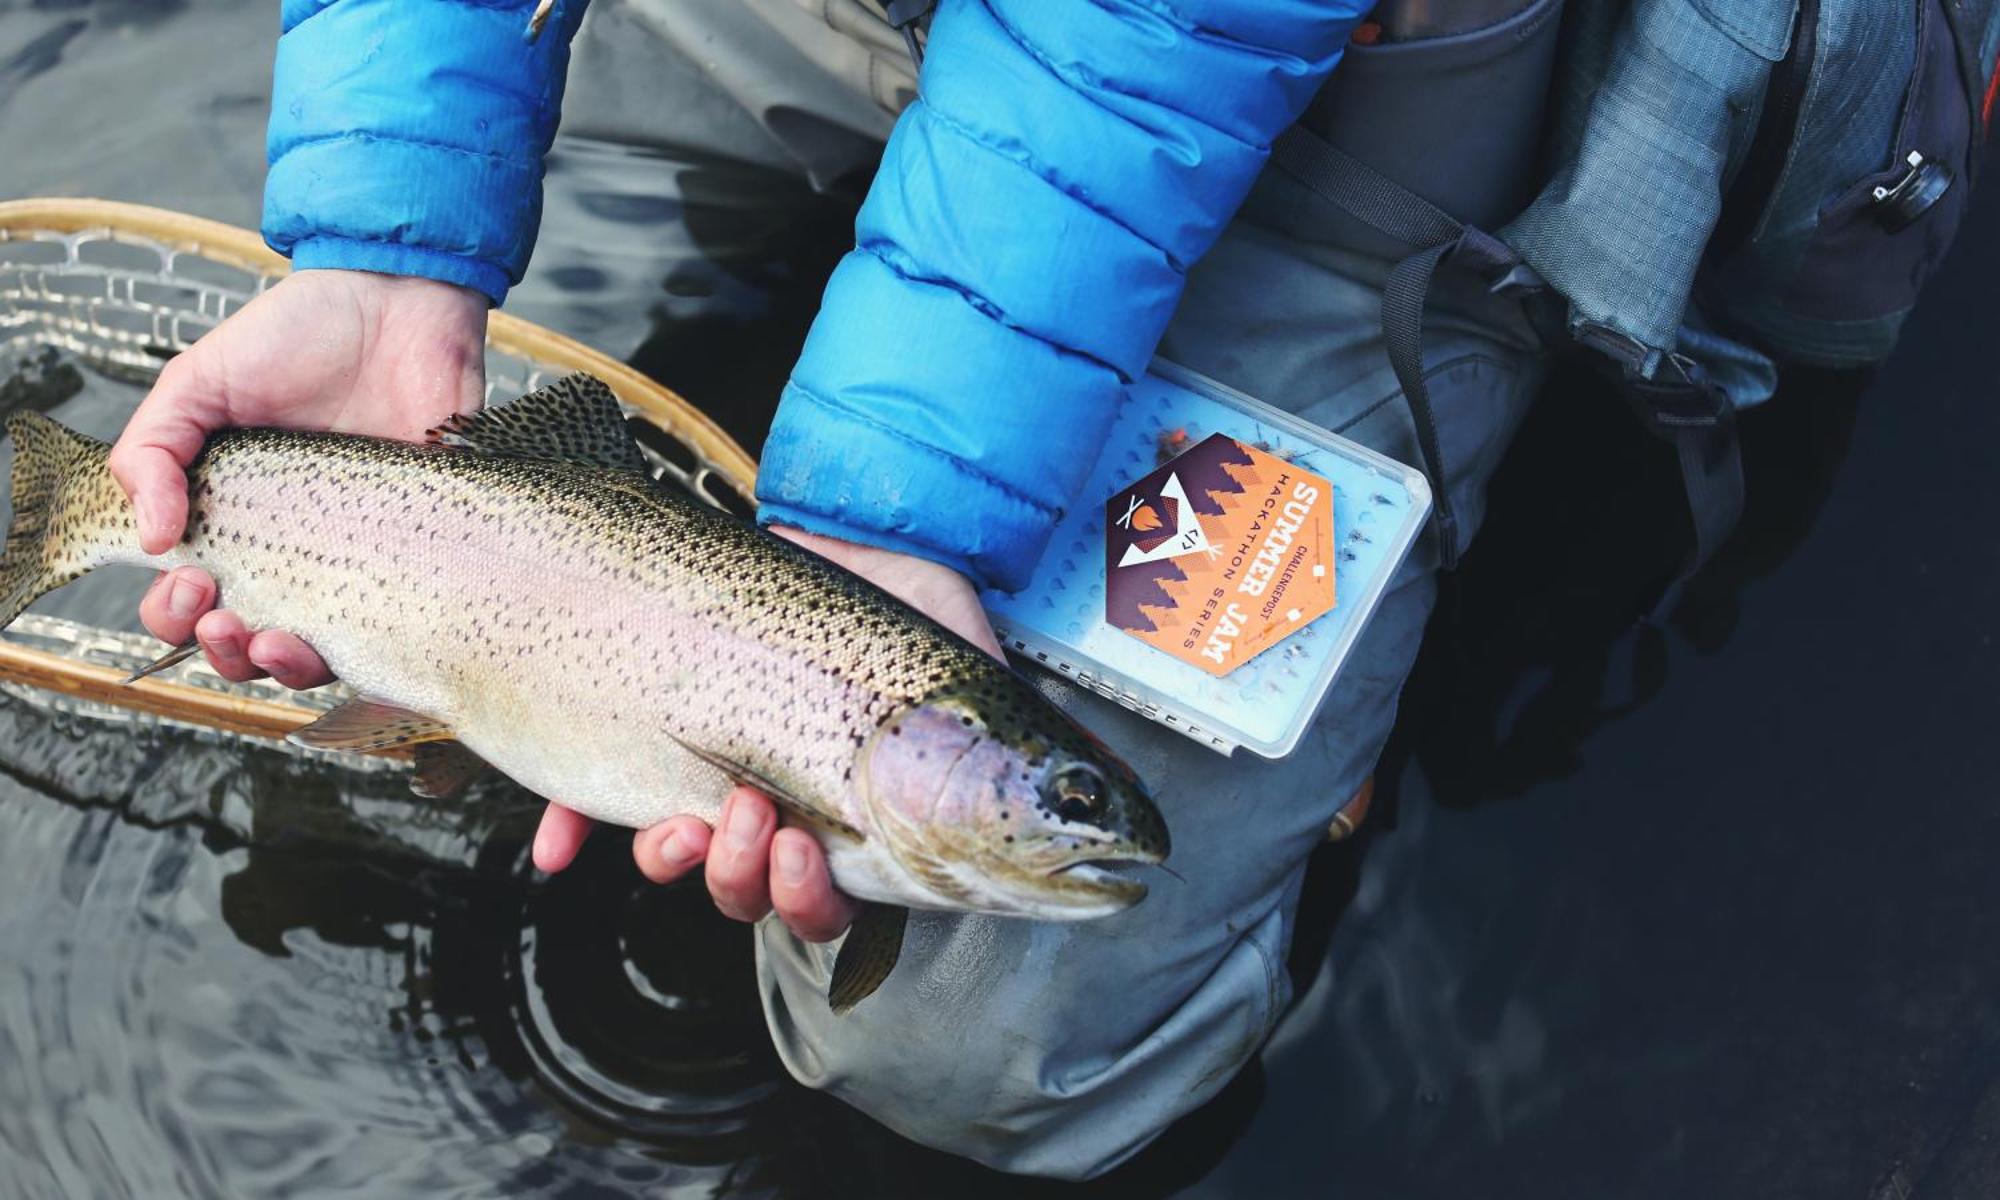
(237, 974)
(1696, 914)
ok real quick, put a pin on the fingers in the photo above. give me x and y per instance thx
(738, 858)
(181, 605)
(225, 639)
(559, 838)
(175, 602)
(288, 660)
(151, 457)
(753, 867)
(671, 849)
(802, 888)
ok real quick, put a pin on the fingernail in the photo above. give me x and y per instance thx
(142, 508)
(184, 599)
(791, 860)
(743, 826)
(675, 851)
(222, 648)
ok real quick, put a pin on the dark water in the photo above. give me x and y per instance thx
(1710, 914)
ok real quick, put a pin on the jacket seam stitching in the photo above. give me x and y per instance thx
(979, 303)
(992, 481)
(355, 135)
(1214, 35)
(1039, 170)
(376, 239)
(1082, 85)
(482, 5)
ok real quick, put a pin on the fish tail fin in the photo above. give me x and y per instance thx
(69, 514)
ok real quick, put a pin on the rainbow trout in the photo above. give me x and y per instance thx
(519, 594)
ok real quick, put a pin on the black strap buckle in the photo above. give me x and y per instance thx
(1671, 392)
(1679, 397)
(903, 18)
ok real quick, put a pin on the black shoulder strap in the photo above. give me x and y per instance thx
(1384, 205)
(1677, 401)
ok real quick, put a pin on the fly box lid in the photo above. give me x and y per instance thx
(1219, 564)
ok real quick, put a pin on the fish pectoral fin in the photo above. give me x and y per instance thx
(444, 769)
(749, 777)
(369, 725)
(172, 658)
(576, 419)
(874, 943)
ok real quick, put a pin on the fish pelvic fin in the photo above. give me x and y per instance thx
(749, 777)
(69, 514)
(873, 944)
(444, 769)
(365, 725)
(576, 419)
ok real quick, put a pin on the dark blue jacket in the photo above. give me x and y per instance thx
(1016, 261)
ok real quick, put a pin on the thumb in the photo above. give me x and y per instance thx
(151, 457)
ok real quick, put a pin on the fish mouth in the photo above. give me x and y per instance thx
(1092, 880)
(1100, 879)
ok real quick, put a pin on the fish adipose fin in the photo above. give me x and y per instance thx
(575, 419)
(750, 778)
(69, 514)
(369, 725)
(444, 769)
(874, 943)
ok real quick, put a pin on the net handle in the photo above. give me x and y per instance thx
(510, 334)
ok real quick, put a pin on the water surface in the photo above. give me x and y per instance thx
(1711, 913)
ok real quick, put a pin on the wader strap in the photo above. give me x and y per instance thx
(1389, 208)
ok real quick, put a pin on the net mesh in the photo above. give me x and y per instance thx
(124, 302)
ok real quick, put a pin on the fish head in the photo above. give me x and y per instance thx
(993, 800)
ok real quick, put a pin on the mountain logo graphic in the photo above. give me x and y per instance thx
(1186, 535)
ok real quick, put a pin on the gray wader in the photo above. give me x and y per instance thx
(1061, 1049)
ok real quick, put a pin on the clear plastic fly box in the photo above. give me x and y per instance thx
(1219, 565)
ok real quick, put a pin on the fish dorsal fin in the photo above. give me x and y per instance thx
(575, 419)
(444, 769)
(369, 725)
(873, 944)
(751, 778)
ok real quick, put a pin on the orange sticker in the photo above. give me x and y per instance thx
(1220, 554)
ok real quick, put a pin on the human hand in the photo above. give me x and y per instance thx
(754, 867)
(346, 351)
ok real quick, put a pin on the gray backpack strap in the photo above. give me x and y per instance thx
(1677, 402)
(1388, 207)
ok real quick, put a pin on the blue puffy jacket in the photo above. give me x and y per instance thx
(1016, 261)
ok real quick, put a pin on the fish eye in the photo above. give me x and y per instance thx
(1076, 793)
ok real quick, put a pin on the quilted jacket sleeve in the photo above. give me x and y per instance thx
(1019, 255)
(407, 136)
